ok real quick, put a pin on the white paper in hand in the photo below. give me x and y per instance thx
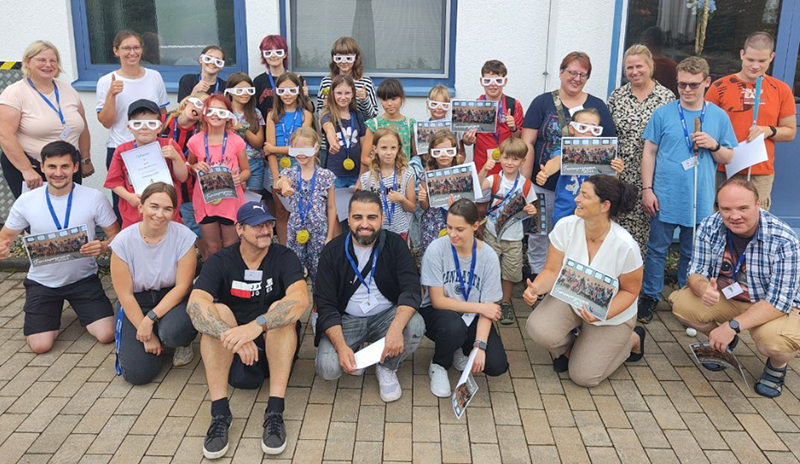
(466, 388)
(746, 155)
(370, 355)
(146, 165)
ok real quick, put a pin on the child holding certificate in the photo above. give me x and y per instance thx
(220, 148)
(442, 153)
(144, 122)
(249, 124)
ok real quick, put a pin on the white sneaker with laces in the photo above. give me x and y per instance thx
(440, 383)
(460, 360)
(388, 383)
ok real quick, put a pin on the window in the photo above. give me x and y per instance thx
(409, 39)
(728, 24)
(173, 31)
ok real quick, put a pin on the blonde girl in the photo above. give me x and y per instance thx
(343, 132)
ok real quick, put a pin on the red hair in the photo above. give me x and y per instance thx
(219, 98)
(274, 42)
(582, 59)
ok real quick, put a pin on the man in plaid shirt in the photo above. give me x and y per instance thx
(745, 275)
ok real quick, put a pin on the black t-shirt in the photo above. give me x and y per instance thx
(223, 276)
(188, 81)
(264, 94)
(729, 261)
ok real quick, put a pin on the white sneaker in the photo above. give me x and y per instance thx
(440, 383)
(313, 321)
(460, 360)
(183, 355)
(389, 385)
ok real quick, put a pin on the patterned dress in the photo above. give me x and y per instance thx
(432, 222)
(630, 118)
(316, 221)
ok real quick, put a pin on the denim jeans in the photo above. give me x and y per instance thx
(661, 234)
(358, 330)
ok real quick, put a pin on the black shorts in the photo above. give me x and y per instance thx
(43, 305)
(212, 219)
(251, 377)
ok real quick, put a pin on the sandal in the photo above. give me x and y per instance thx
(714, 367)
(637, 356)
(561, 364)
(770, 384)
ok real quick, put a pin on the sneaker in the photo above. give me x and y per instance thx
(388, 383)
(273, 441)
(506, 313)
(216, 444)
(183, 355)
(460, 360)
(440, 383)
(313, 321)
(647, 305)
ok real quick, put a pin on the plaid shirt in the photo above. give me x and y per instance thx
(772, 257)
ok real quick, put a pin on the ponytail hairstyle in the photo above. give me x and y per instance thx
(249, 109)
(439, 137)
(621, 195)
(331, 108)
(278, 110)
(400, 161)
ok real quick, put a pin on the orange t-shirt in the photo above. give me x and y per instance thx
(736, 97)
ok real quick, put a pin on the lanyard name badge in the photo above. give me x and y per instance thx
(692, 161)
(224, 144)
(303, 209)
(495, 210)
(65, 129)
(53, 211)
(287, 134)
(216, 83)
(384, 197)
(735, 289)
(371, 300)
(348, 163)
(465, 290)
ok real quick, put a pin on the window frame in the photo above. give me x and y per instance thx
(414, 84)
(88, 73)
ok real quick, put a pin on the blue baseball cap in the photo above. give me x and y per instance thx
(254, 213)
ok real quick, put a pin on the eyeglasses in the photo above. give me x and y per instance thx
(586, 128)
(239, 91)
(493, 80)
(577, 74)
(281, 91)
(691, 85)
(196, 102)
(279, 53)
(131, 49)
(208, 59)
(435, 105)
(344, 58)
(220, 112)
(141, 124)
(264, 225)
(439, 152)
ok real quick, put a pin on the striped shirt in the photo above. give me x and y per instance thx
(401, 220)
(367, 107)
(772, 257)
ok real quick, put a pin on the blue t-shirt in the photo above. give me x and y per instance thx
(353, 129)
(291, 122)
(567, 188)
(542, 116)
(673, 185)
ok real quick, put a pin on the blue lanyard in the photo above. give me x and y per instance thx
(683, 123)
(741, 258)
(216, 84)
(288, 134)
(346, 142)
(465, 291)
(494, 210)
(224, 143)
(271, 81)
(355, 267)
(49, 103)
(53, 212)
(389, 212)
(302, 209)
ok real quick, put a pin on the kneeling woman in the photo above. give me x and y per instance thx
(592, 238)
(462, 278)
(152, 267)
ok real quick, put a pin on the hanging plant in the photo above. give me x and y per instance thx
(703, 11)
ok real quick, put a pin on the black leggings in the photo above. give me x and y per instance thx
(14, 178)
(449, 333)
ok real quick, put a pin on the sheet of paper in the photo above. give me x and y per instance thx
(371, 354)
(746, 155)
(146, 165)
(343, 201)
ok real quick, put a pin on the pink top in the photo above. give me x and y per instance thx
(228, 207)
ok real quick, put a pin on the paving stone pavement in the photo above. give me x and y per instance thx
(67, 406)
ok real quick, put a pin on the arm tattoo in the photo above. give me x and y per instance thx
(205, 321)
(280, 315)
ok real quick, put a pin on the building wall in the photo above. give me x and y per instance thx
(515, 32)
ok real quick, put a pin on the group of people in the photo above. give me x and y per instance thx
(280, 239)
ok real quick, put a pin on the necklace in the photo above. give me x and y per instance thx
(601, 236)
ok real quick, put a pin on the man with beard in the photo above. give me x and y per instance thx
(227, 307)
(367, 288)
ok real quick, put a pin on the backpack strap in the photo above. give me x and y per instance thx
(511, 104)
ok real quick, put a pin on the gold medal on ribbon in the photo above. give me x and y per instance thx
(349, 164)
(302, 237)
(286, 162)
(325, 91)
(442, 232)
(496, 154)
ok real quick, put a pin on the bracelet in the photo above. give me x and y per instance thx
(774, 131)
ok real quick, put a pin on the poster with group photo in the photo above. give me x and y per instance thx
(216, 184)
(703, 353)
(480, 115)
(512, 213)
(460, 181)
(465, 388)
(423, 133)
(587, 156)
(58, 246)
(580, 285)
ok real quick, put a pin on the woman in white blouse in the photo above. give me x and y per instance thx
(591, 238)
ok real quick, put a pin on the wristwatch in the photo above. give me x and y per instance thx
(86, 161)
(262, 321)
(152, 315)
(480, 344)
(716, 149)
(734, 325)
(774, 131)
